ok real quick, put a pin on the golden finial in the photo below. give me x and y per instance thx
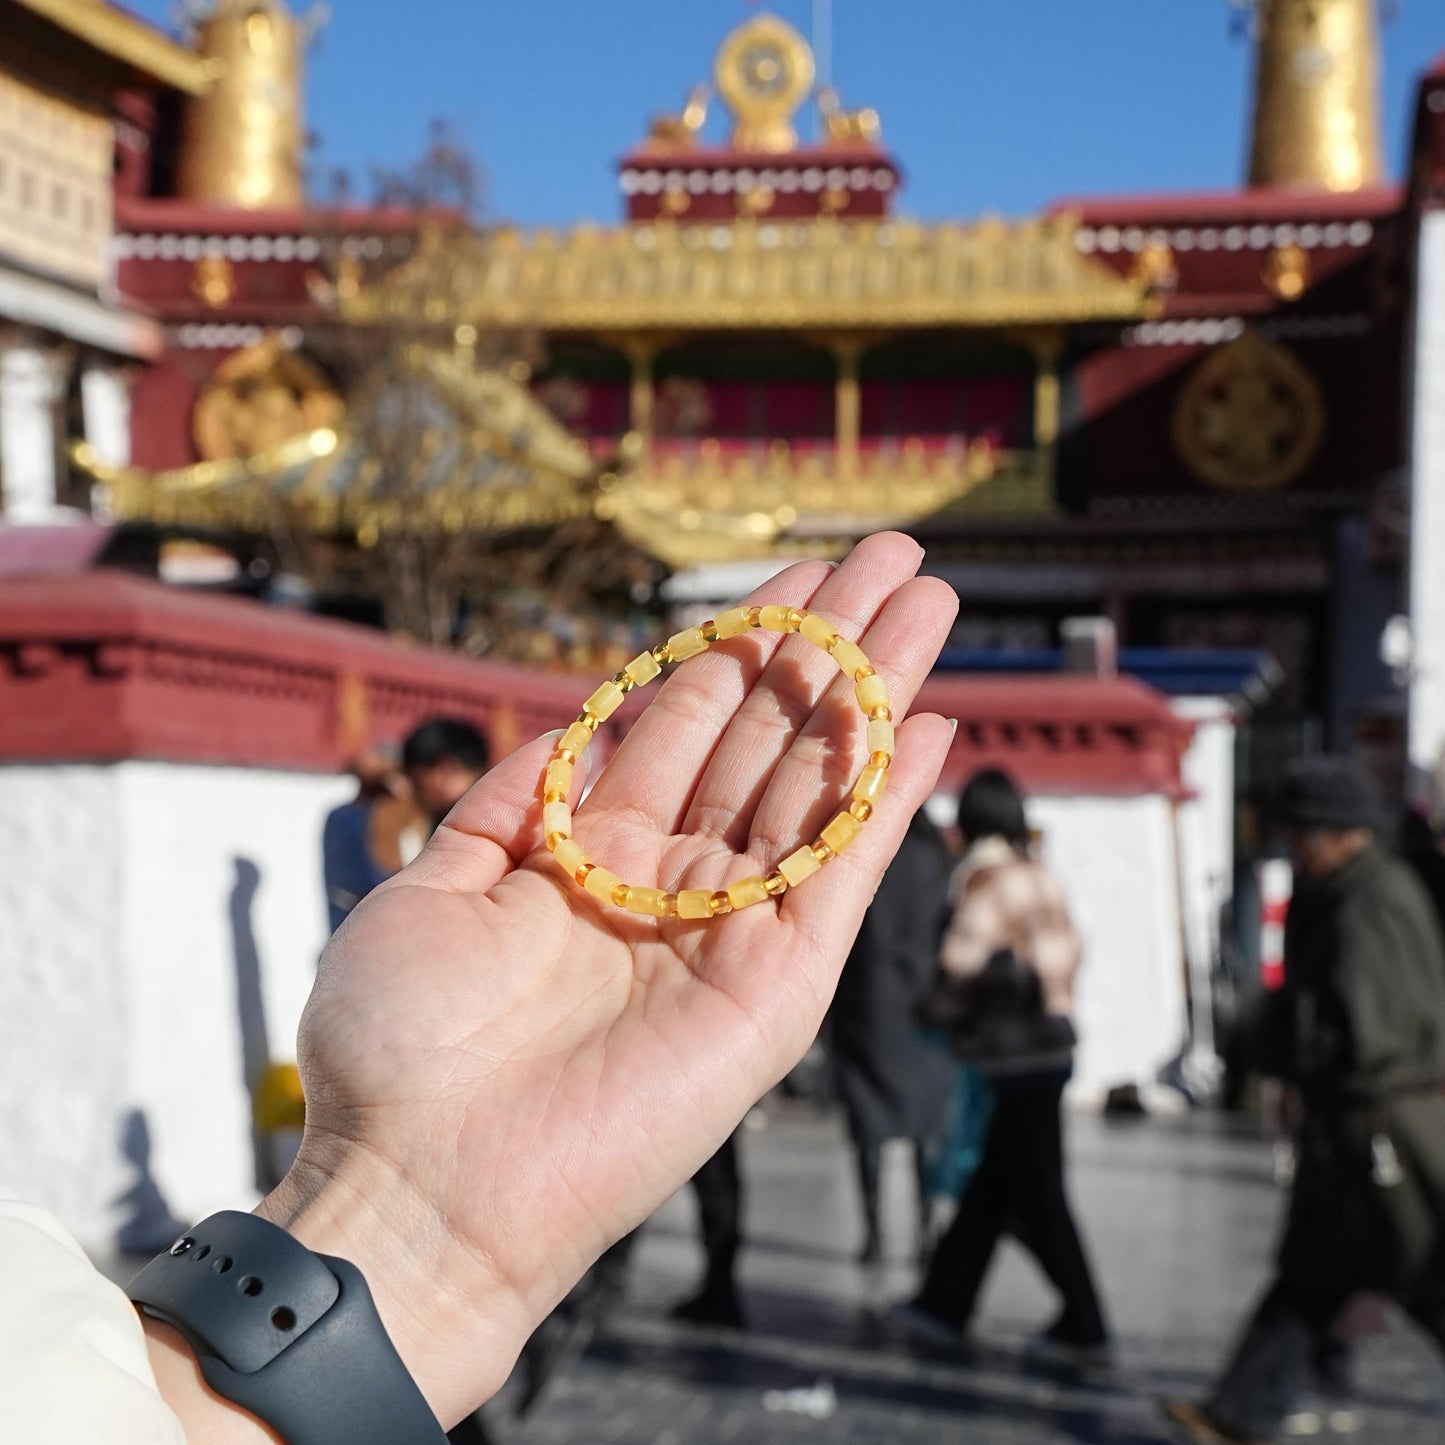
(241, 142)
(1316, 95)
(764, 71)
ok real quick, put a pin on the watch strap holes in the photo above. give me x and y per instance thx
(283, 1318)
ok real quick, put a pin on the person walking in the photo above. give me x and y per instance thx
(1004, 992)
(892, 1082)
(1358, 1028)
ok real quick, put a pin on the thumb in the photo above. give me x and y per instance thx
(495, 825)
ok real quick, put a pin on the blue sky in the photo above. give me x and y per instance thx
(989, 104)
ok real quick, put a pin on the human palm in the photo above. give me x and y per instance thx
(542, 1071)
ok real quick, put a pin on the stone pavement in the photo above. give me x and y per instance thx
(1178, 1216)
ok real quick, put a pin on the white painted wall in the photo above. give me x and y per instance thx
(119, 978)
(27, 434)
(1427, 510)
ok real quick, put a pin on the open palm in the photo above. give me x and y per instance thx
(540, 1071)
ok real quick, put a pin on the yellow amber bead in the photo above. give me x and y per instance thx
(860, 809)
(557, 818)
(694, 903)
(872, 692)
(558, 778)
(747, 891)
(624, 680)
(600, 884)
(755, 616)
(849, 657)
(881, 713)
(576, 738)
(589, 720)
(732, 624)
(776, 619)
(880, 736)
(841, 831)
(798, 866)
(685, 644)
(822, 852)
(605, 701)
(818, 630)
(775, 884)
(643, 668)
(569, 855)
(647, 900)
(720, 903)
(880, 760)
(870, 785)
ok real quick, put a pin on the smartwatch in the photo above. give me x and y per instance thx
(293, 1337)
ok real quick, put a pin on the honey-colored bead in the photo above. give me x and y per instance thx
(860, 810)
(798, 866)
(775, 884)
(841, 831)
(694, 903)
(776, 619)
(620, 895)
(660, 655)
(558, 777)
(557, 818)
(732, 623)
(872, 692)
(652, 901)
(870, 785)
(569, 855)
(881, 713)
(576, 738)
(880, 737)
(755, 616)
(589, 720)
(849, 657)
(747, 891)
(624, 681)
(643, 668)
(600, 884)
(818, 630)
(685, 644)
(709, 632)
(822, 852)
(605, 701)
(720, 903)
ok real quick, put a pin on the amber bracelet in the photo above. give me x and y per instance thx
(705, 902)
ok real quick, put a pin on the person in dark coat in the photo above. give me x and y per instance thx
(892, 1082)
(1359, 1029)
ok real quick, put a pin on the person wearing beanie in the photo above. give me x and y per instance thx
(1358, 1029)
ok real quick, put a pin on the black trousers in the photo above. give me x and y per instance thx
(1018, 1189)
(719, 1188)
(1291, 1327)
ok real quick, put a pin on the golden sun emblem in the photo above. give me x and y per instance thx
(1250, 418)
(764, 72)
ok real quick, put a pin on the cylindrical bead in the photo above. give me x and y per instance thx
(776, 619)
(848, 656)
(880, 736)
(798, 866)
(870, 784)
(694, 903)
(600, 884)
(604, 702)
(647, 900)
(569, 854)
(643, 668)
(841, 831)
(872, 692)
(556, 818)
(558, 778)
(576, 738)
(818, 630)
(747, 891)
(732, 623)
(687, 643)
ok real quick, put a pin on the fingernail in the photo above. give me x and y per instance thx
(953, 724)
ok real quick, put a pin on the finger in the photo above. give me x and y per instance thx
(654, 771)
(813, 781)
(790, 688)
(495, 825)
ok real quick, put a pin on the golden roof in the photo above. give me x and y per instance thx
(750, 274)
(124, 38)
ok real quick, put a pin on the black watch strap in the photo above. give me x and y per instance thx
(293, 1337)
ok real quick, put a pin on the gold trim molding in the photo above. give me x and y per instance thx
(127, 39)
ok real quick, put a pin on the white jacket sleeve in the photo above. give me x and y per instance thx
(72, 1351)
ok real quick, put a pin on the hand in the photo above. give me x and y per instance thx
(503, 1076)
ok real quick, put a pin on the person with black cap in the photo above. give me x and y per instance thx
(1359, 1029)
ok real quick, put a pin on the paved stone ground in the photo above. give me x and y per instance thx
(1178, 1216)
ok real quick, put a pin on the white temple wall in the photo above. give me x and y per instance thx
(170, 921)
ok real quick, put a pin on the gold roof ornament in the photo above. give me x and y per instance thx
(764, 71)
(242, 141)
(127, 39)
(758, 275)
(1250, 417)
(680, 132)
(259, 397)
(1316, 95)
